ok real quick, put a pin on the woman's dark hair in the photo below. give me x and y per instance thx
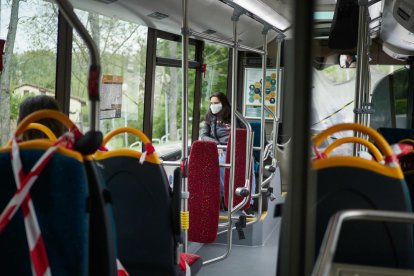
(225, 113)
(36, 103)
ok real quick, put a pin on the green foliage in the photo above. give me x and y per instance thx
(339, 75)
(15, 101)
(401, 106)
(216, 57)
(35, 67)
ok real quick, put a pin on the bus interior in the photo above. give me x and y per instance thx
(315, 176)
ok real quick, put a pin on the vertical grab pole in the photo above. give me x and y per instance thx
(361, 54)
(235, 18)
(367, 97)
(184, 114)
(279, 40)
(262, 121)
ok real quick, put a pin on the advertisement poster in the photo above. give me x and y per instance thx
(111, 97)
(252, 88)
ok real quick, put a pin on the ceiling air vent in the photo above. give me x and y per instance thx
(158, 15)
(209, 32)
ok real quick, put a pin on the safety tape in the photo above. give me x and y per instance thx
(38, 255)
(149, 149)
(121, 269)
(184, 266)
(329, 116)
(39, 261)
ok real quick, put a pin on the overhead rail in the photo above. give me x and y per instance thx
(223, 41)
(210, 38)
(250, 49)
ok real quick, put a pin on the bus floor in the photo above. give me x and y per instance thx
(243, 260)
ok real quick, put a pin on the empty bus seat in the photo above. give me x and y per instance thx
(204, 189)
(141, 201)
(348, 182)
(240, 168)
(59, 198)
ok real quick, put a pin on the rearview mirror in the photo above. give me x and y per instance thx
(347, 61)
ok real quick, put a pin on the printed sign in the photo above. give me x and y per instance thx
(253, 91)
(111, 97)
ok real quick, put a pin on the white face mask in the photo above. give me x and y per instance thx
(216, 108)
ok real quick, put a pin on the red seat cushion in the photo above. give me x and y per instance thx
(204, 188)
(240, 168)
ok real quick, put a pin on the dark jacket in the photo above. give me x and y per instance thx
(216, 131)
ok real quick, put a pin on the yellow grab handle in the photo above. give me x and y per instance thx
(43, 114)
(131, 130)
(374, 150)
(42, 128)
(379, 140)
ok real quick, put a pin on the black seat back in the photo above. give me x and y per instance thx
(349, 182)
(59, 197)
(365, 243)
(141, 200)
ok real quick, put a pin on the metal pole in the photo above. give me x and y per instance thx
(361, 55)
(367, 78)
(279, 40)
(94, 71)
(262, 123)
(184, 114)
(235, 19)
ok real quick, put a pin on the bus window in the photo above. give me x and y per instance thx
(334, 93)
(122, 46)
(172, 49)
(166, 130)
(215, 80)
(390, 98)
(30, 66)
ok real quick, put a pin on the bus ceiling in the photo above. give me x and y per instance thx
(211, 17)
